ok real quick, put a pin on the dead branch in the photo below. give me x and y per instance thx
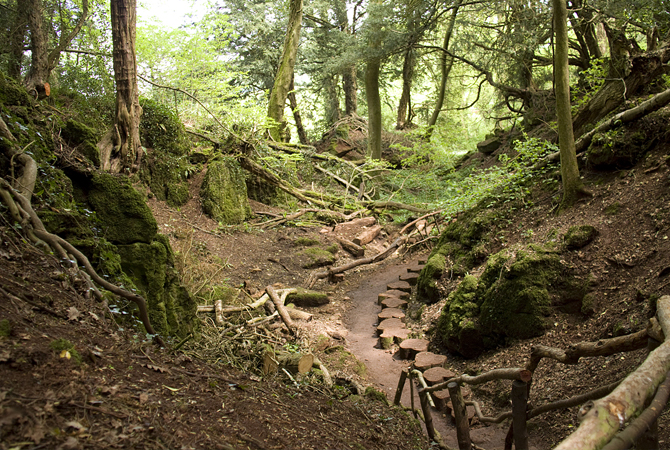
(342, 181)
(574, 401)
(315, 276)
(393, 205)
(609, 414)
(279, 304)
(495, 374)
(414, 222)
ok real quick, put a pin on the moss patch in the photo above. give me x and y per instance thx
(161, 129)
(314, 257)
(224, 193)
(305, 242)
(579, 236)
(83, 139)
(124, 216)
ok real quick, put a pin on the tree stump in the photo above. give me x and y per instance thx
(441, 399)
(410, 347)
(392, 293)
(391, 313)
(427, 360)
(293, 362)
(394, 302)
(416, 268)
(437, 375)
(410, 278)
(400, 286)
(389, 323)
(391, 336)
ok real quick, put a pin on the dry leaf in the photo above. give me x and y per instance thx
(144, 397)
(35, 433)
(73, 313)
(70, 443)
(76, 425)
(94, 315)
(65, 354)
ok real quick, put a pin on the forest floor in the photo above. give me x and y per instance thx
(71, 378)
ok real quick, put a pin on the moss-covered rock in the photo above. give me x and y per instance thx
(427, 283)
(150, 267)
(314, 257)
(123, 214)
(224, 193)
(579, 236)
(617, 149)
(511, 299)
(166, 176)
(161, 129)
(84, 139)
(12, 93)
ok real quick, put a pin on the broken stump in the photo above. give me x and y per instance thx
(293, 362)
(410, 347)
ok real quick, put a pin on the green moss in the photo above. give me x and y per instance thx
(316, 257)
(5, 328)
(427, 282)
(61, 345)
(457, 325)
(166, 176)
(376, 394)
(84, 139)
(12, 93)
(161, 129)
(124, 216)
(579, 236)
(307, 298)
(223, 192)
(306, 242)
(613, 209)
(333, 248)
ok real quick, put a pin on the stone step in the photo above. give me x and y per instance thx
(410, 278)
(437, 375)
(391, 336)
(394, 302)
(410, 347)
(416, 268)
(392, 293)
(400, 286)
(389, 323)
(391, 313)
(427, 360)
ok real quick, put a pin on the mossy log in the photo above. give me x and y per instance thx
(306, 298)
(391, 313)
(410, 347)
(292, 362)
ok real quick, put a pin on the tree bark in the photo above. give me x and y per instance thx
(126, 151)
(572, 185)
(374, 108)
(17, 37)
(404, 106)
(446, 62)
(350, 86)
(284, 75)
(293, 102)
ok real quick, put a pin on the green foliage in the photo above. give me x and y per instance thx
(590, 81)
(5, 328)
(161, 129)
(66, 350)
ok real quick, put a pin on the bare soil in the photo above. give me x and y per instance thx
(126, 393)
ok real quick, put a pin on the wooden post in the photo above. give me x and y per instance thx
(461, 415)
(401, 386)
(427, 416)
(411, 393)
(519, 403)
(218, 307)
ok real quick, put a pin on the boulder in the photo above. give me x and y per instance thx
(224, 192)
(489, 145)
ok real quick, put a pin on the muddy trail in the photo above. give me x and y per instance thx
(385, 366)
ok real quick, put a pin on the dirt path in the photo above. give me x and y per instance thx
(384, 367)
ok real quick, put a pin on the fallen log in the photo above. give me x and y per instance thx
(296, 314)
(306, 298)
(609, 414)
(293, 362)
(355, 250)
(346, 227)
(368, 235)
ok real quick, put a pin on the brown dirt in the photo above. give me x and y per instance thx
(127, 394)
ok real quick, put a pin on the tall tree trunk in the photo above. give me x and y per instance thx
(374, 108)
(127, 151)
(404, 107)
(332, 100)
(293, 102)
(284, 75)
(350, 85)
(38, 73)
(446, 62)
(572, 185)
(17, 38)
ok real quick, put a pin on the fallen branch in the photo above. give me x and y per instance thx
(495, 374)
(393, 205)
(281, 309)
(342, 181)
(609, 414)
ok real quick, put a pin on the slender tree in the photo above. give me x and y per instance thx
(126, 151)
(573, 189)
(284, 75)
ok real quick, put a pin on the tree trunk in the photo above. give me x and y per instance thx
(284, 75)
(293, 102)
(374, 108)
(332, 101)
(39, 60)
(446, 62)
(350, 85)
(126, 151)
(572, 185)
(17, 37)
(404, 106)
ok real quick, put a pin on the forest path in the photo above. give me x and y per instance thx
(384, 367)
